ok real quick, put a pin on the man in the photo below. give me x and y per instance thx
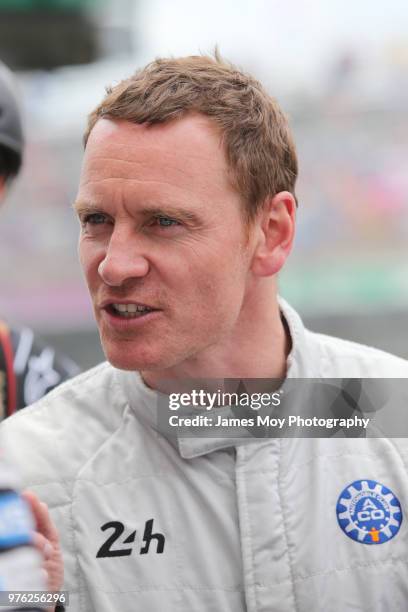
(28, 368)
(187, 211)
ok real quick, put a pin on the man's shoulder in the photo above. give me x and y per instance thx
(52, 438)
(343, 358)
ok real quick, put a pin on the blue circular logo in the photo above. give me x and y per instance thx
(368, 512)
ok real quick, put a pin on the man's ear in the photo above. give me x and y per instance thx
(276, 230)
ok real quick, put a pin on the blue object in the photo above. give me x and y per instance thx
(15, 521)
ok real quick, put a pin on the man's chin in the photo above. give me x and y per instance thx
(125, 360)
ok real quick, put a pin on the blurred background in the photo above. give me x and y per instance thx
(340, 71)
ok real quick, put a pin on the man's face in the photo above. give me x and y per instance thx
(162, 232)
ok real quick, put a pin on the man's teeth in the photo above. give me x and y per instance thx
(130, 310)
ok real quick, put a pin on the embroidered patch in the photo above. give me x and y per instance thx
(368, 512)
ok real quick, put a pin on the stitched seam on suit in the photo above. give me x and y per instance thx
(158, 474)
(340, 455)
(317, 457)
(403, 456)
(74, 549)
(245, 537)
(285, 529)
(158, 587)
(163, 472)
(260, 584)
(350, 568)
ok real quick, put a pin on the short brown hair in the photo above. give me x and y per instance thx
(256, 136)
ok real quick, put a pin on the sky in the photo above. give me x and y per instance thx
(294, 39)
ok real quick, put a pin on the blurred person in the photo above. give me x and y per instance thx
(28, 368)
(30, 554)
(187, 206)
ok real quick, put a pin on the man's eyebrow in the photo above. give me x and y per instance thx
(183, 214)
(83, 207)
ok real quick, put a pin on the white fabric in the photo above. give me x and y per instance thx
(250, 527)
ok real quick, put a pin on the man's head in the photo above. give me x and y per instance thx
(256, 137)
(11, 132)
(180, 229)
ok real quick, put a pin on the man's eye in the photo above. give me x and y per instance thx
(94, 219)
(166, 221)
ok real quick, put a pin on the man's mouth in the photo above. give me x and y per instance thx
(128, 311)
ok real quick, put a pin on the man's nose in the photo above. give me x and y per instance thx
(124, 260)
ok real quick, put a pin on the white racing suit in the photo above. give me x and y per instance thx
(212, 524)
